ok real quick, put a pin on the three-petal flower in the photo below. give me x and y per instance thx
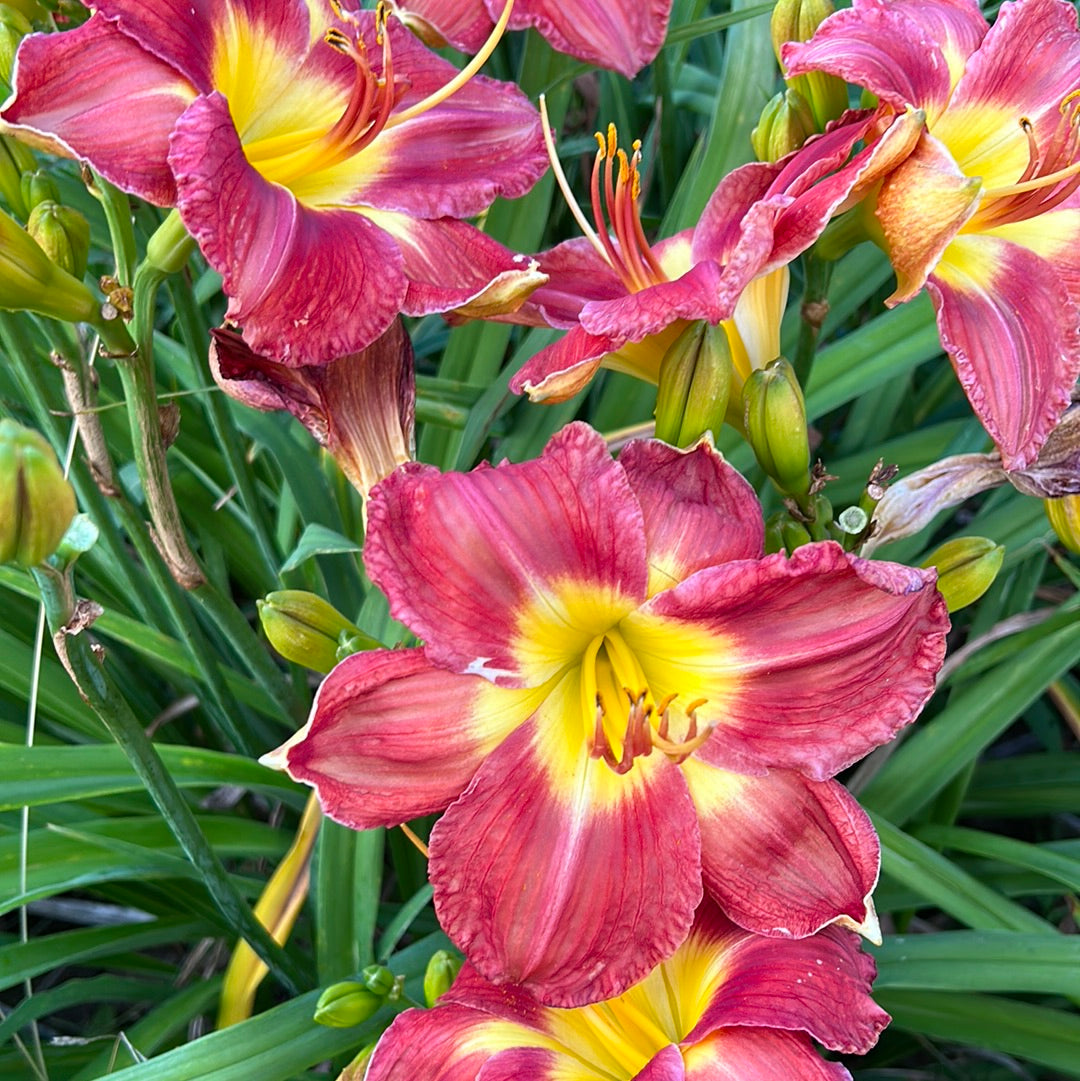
(307, 149)
(618, 699)
(727, 1006)
(985, 212)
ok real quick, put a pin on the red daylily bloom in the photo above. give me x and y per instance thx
(727, 1006)
(361, 408)
(985, 213)
(618, 700)
(625, 301)
(299, 143)
(622, 35)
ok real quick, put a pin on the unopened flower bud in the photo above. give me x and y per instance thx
(170, 246)
(37, 503)
(967, 567)
(31, 281)
(775, 425)
(440, 973)
(37, 186)
(379, 980)
(787, 121)
(1064, 515)
(304, 628)
(695, 381)
(796, 20)
(14, 26)
(15, 160)
(63, 235)
(345, 1004)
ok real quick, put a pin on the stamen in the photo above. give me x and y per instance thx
(678, 752)
(462, 77)
(564, 186)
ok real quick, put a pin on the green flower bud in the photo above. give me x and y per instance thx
(775, 425)
(170, 246)
(379, 980)
(1064, 515)
(796, 20)
(794, 535)
(14, 26)
(345, 1004)
(695, 381)
(967, 567)
(304, 628)
(15, 160)
(440, 973)
(787, 121)
(37, 186)
(31, 9)
(37, 503)
(31, 281)
(63, 235)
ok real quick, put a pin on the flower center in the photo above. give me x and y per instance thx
(622, 719)
(1052, 173)
(370, 107)
(615, 188)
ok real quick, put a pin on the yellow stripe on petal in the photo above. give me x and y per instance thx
(688, 661)
(556, 628)
(1051, 235)
(985, 142)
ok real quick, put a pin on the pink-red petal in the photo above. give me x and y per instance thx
(742, 1054)
(618, 34)
(699, 512)
(454, 159)
(305, 285)
(390, 737)
(555, 873)
(880, 45)
(784, 856)
(469, 561)
(563, 368)
(824, 656)
(819, 985)
(1013, 333)
(96, 94)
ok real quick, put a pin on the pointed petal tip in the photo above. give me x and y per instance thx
(870, 928)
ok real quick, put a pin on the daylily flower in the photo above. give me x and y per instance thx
(985, 212)
(618, 699)
(313, 153)
(727, 1005)
(623, 35)
(625, 301)
(360, 407)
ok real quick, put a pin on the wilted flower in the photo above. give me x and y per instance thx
(360, 407)
(609, 662)
(984, 212)
(727, 1005)
(311, 151)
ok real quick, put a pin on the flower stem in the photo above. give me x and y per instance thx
(815, 306)
(67, 621)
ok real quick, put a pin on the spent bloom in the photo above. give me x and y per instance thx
(619, 701)
(624, 300)
(984, 213)
(316, 155)
(623, 35)
(727, 1006)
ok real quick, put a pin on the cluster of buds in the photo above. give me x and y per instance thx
(809, 101)
(352, 1002)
